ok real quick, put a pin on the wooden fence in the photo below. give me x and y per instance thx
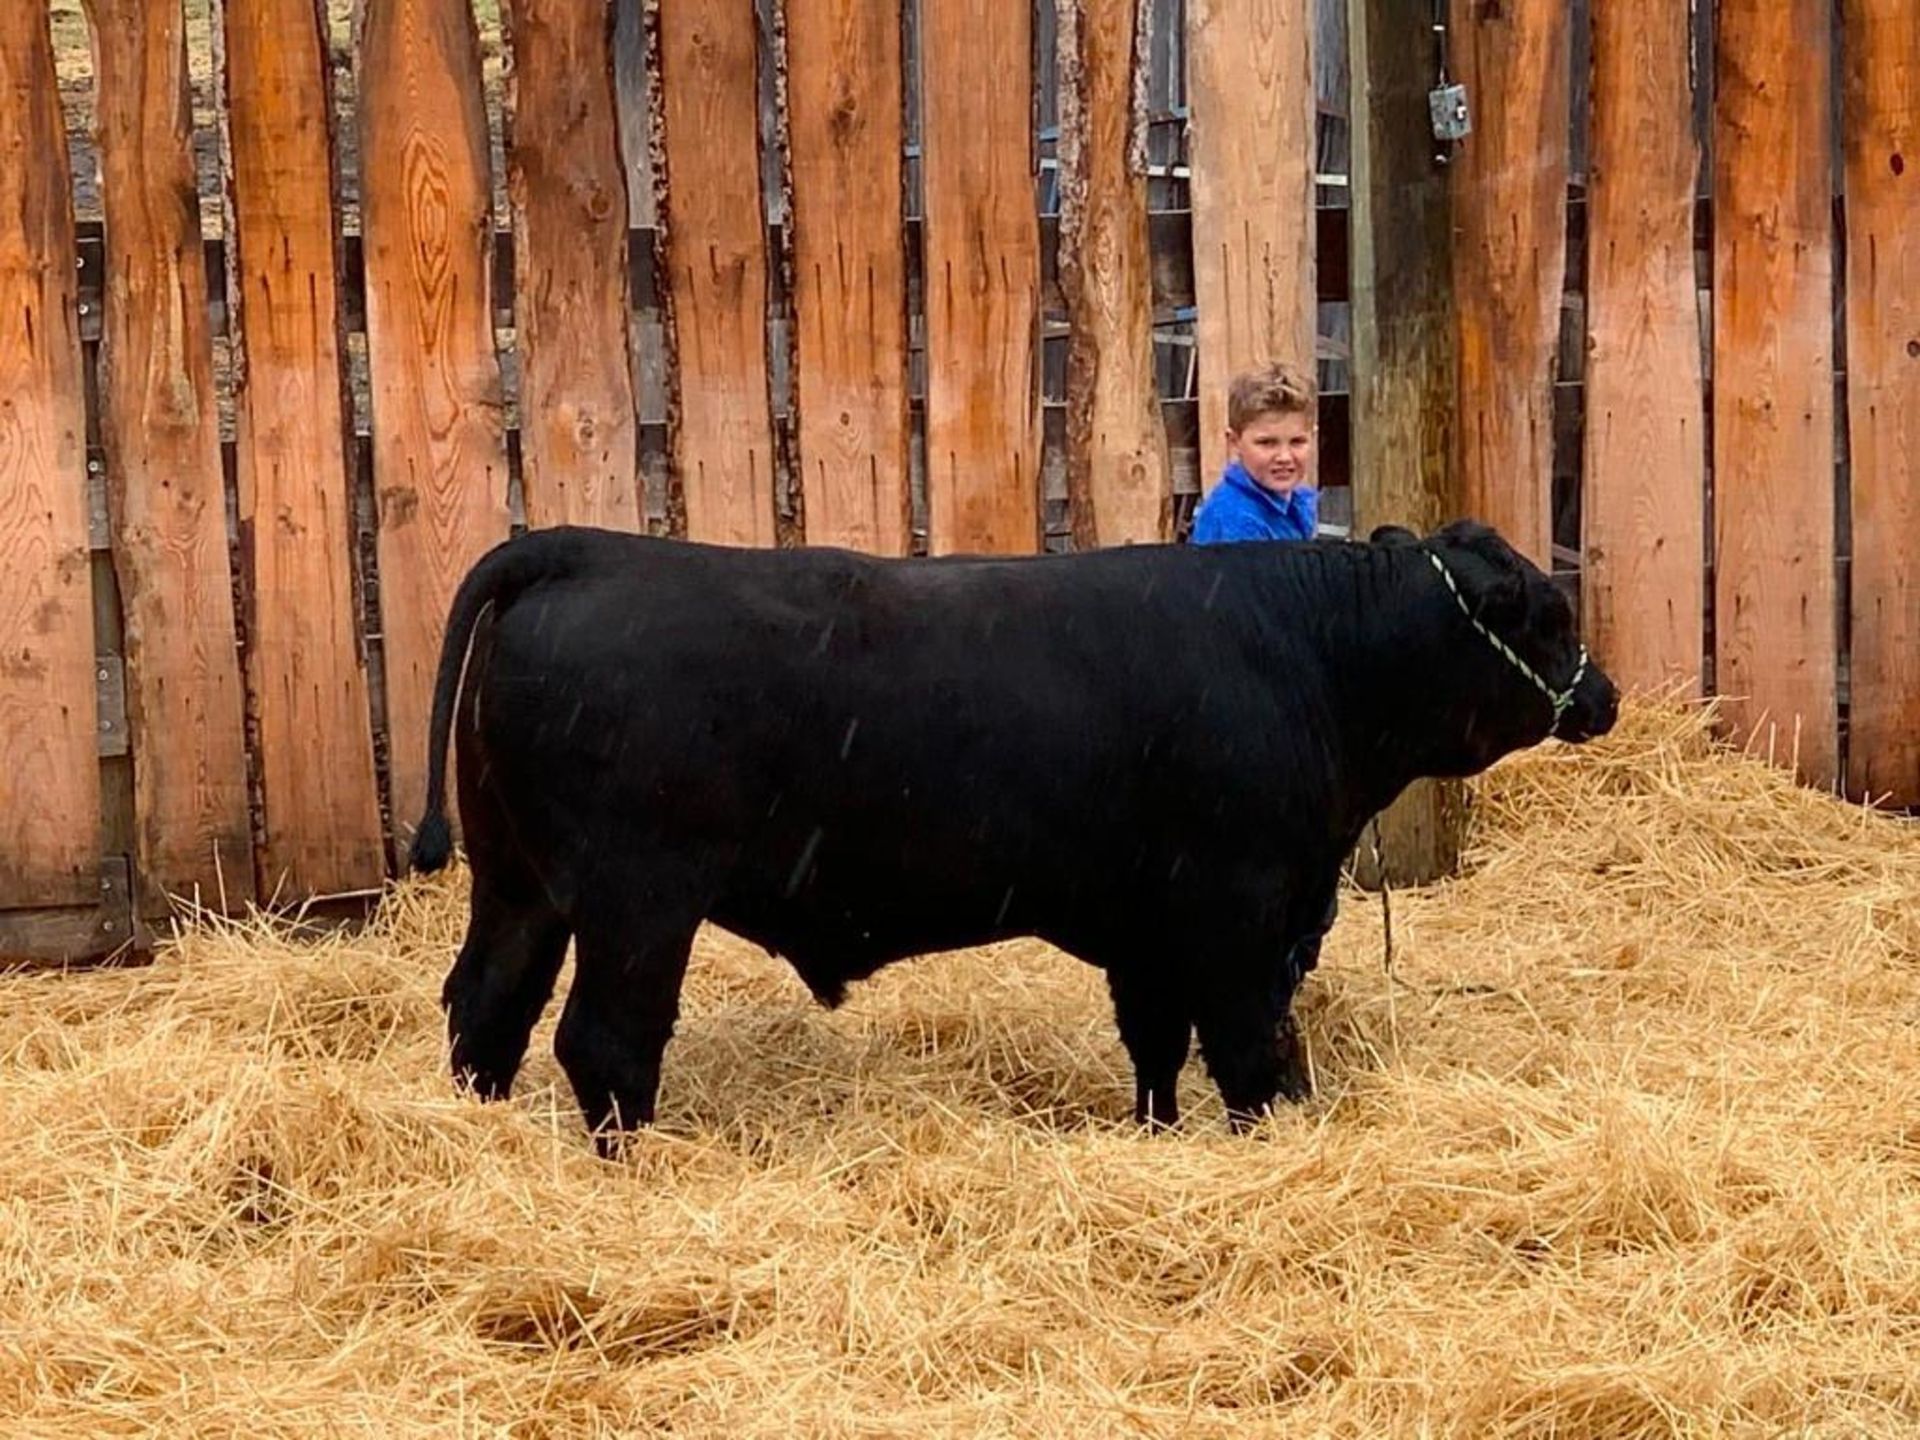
(331, 298)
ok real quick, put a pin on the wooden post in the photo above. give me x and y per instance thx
(1773, 444)
(307, 683)
(1509, 258)
(1118, 474)
(1643, 507)
(1883, 394)
(440, 458)
(982, 268)
(579, 433)
(849, 272)
(1403, 356)
(1250, 69)
(49, 761)
(715, 233)
(159, 423)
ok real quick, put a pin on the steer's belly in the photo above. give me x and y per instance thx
(886, 916)
(842, 911)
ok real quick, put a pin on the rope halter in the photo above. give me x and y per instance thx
(1559, 699)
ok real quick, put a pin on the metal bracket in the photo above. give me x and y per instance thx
(99, 517)
(73, 934)
(1447, 106)
(110, 703)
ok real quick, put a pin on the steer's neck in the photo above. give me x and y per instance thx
(1392, 676)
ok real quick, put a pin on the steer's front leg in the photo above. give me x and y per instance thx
(1251, 1048)
(1152, 1016)
(1294, 1081)
(1302, 953)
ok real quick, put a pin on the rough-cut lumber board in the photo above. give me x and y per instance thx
(1403, 360)
(1643, 507)
(578, 429)
(1250, 86)
(307, 684)
(79, 934)
(849, 272)
(160, 429)
(49, 772)
(716, 267)
(439, 457)
(982, 267)
(1119, 481)
(1509, 258)
(1883, 394)
(1773, 446)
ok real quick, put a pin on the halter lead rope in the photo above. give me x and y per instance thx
(1559, 699)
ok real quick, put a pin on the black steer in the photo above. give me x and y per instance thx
(1154, 757)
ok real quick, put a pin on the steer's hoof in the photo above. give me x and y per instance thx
(484, 1084)
(1242, 1121)
(1295, 1087)
(614, 1126)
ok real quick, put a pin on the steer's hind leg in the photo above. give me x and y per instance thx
(502, 979)
(630, 961)
(1157, 1031)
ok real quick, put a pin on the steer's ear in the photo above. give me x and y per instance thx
(1393, 535)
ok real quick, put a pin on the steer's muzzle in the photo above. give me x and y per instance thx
(1595, 708)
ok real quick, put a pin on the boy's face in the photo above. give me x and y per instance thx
(1276, 448)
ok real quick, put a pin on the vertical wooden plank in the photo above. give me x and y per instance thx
(1119, 482)
(849, 272)
(1773, 444)
(49, 771)
(307, 684)
(567, 184)
(1250, 82)
(1643, 508)
(1883, 394)
(982, 263)
(1403, 358)
(1509, 256)
(160, 429)
(439, 457)
(716, 266)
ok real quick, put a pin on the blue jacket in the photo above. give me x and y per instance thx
(1238, 509)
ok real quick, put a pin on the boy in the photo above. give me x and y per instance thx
(1266, 491)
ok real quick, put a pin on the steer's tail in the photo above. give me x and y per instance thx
(494, 580)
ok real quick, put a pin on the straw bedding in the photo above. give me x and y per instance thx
(1627, 1145)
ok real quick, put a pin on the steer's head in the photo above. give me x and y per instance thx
(1511, 643)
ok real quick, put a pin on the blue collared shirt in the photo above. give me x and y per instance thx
(1239, 509)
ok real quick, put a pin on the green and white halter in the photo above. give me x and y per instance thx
(1559, 699)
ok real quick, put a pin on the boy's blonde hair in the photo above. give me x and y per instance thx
(1275, 388)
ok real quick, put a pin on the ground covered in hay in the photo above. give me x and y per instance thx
(1629, 1145)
